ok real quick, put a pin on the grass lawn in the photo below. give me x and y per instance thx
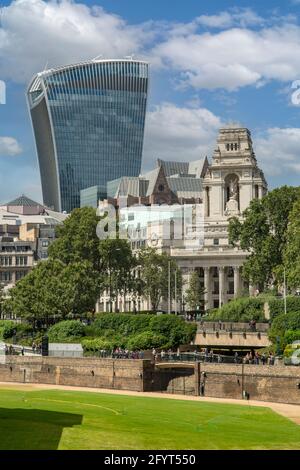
(51, 419)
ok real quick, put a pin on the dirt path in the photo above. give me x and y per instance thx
(291, 412)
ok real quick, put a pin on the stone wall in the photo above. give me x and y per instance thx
(266, 383)
(83, 372)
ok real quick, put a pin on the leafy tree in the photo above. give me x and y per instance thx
(155, 274)
(281, 325)
(77, 239)
(240, 310)
(54, 290)
(262, 233)
(2, 297)
(195, 293)
(118, 263)
(292, 247)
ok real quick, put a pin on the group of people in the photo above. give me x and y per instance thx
(120, 353)
(255, 358)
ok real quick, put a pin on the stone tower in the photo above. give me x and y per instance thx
(233, 179)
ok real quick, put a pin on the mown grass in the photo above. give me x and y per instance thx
(52, 419)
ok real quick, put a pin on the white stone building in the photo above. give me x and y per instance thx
(225, 186)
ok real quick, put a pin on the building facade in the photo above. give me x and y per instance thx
(222, 188)
(88, 121)
(27, 229)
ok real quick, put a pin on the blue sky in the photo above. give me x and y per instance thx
(212, 62)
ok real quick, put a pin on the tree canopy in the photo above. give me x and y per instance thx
(263, 233)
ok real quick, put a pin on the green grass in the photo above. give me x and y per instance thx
(51, 419)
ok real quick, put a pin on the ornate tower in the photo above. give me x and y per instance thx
(233, 179)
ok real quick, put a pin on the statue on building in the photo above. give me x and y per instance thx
(232, 205)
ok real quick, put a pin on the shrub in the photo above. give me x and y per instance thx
(66, 331)
(120, 323)
(290, 336)
(7, 329)
(281, 324)
(96, 344)
(240, 310)
(277, 305)
(174, 328)
(147, 340)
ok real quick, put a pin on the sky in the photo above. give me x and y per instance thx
(213, 62)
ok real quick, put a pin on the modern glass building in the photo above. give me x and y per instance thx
(88, 121)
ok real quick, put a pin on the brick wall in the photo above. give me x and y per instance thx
(84, 372)
(267, 383)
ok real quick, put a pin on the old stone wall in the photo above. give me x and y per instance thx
(83, 372)
(266, 383)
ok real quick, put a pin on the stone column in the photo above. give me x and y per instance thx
(221, 285)
(236, 271)
(260, 192)
(207, 286)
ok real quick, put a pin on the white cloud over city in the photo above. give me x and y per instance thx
(9, 147)
(249, 50)
(179, 133)
(278, 150)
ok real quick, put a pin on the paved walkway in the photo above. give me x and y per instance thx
(291, 412)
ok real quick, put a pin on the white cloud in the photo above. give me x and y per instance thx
(236, 16)
(9, 147)
(34, 33)
(278, 151)
(179, 133)
(234, 57)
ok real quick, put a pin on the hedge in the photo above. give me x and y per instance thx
(147, 340)
(277, 305)
(281, 325)
(66, 331)
(239, 310)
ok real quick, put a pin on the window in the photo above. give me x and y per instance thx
(227, 147)
(216, 241)
(161, 187)
(235, 146)
(45, 243)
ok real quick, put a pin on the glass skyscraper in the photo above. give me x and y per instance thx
(88, 121)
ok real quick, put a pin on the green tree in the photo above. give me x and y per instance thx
(262, 233)
(77, 239)
(155, 275)
(118, 264)
(292, 247)
(55, 290)
(195, 293)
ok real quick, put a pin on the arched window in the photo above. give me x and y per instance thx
(231, 146)
(235, 146)
(227, 147)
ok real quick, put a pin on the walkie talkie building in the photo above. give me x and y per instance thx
(88, 122)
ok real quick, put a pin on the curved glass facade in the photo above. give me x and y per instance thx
(88, 121)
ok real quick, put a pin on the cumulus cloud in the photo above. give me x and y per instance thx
(179, 133)
(236, 16)
(36, 33)
(278, 150)
(9, 147)
(234, 57)
(229, 50)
